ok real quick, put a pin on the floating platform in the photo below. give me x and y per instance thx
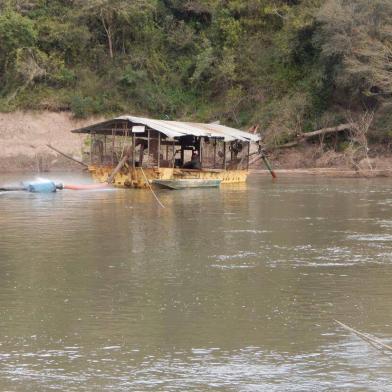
(132, 152)
(130, 177)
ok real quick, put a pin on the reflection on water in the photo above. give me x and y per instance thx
(225, 289)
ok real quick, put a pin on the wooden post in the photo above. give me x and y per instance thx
(117, 168)
(133, 150)
(141, 154)
(159, 148)
(91, 148)
(182, 156)
(215, 141)
(148, 147)
(201, 152)
(247, 160)
(113, 136)
(267, 164)
(174, 153)
(224, 155)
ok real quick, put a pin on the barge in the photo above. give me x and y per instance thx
(132, 152)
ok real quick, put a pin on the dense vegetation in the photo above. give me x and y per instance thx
(288, 65)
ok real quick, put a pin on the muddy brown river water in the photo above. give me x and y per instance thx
(231, 289)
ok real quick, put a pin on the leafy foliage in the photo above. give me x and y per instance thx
(284, 64)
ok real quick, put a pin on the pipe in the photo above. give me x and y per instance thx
(84, 187)
(268, 165)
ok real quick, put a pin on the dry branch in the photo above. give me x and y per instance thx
(320, 132)
(323, 131)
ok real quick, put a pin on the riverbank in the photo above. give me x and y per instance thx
(24, 137)
(309, 159)
(326, 172)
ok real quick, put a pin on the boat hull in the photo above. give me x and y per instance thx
(187, 183)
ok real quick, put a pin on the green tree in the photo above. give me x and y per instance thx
(357, 37)
(16, 31)
(119, 21)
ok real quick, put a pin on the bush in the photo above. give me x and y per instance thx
(83, 107)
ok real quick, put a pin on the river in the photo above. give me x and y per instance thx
(231, 289)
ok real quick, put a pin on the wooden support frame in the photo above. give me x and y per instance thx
(133, 150)
(113, 137)
(91, 147)
(247, 159)
(215, 142)
(174, 154)
(201, 152)
(159, 149)
(224, 155)
(148, 147)
(182, 155)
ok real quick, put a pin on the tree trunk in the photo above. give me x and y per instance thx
(322, 131)
(108, 34)
(110, 44)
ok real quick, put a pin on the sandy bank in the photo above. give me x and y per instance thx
(24, 135)
(309, 159)
(327, 172)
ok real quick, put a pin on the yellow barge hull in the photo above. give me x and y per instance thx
(132, 177)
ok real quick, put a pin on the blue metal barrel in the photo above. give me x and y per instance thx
(43, 186)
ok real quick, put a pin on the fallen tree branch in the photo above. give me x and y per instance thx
(307, 135)
(323, 131)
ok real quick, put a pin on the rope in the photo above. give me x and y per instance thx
(148, 183)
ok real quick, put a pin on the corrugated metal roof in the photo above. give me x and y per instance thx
(177, 129)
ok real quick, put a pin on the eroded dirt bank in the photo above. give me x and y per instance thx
(310, 159)
(24, 135)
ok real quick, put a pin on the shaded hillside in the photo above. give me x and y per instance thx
(290, 66)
